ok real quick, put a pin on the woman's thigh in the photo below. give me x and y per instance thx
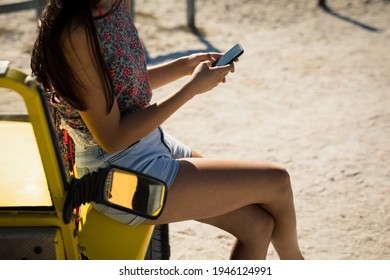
(206, 188)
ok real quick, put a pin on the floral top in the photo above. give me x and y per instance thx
(125, 58)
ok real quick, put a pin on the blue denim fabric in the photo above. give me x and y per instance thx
(155, 155)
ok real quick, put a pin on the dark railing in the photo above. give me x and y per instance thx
(32, 4)
(39, 4)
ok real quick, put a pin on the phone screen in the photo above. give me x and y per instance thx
(230, 55)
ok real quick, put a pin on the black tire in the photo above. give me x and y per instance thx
(159, 248)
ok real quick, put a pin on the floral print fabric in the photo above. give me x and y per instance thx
(125, 59)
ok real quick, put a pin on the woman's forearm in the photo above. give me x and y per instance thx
(165, 73)
(162, 74)
(114, 132)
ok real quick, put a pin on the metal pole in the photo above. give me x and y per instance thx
(132, 9)
(12, 7)
(39, 5)
(191, 13)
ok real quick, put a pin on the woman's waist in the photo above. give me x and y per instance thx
(95, 149)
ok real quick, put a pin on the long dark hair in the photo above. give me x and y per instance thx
(48, 61)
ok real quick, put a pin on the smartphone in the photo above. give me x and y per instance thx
(230, 55)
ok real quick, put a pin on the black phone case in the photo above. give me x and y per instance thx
(232, 54)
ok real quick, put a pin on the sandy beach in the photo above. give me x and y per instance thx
(310, 93)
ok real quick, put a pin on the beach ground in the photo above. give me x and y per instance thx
(310, 93)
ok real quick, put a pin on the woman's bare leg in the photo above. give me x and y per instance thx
(206, 188)
(252, 226)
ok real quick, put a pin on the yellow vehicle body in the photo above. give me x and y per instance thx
(33, 188)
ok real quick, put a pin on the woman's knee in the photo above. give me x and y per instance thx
(260, 230)
(266, 223)
(260, 224)
(279, 183)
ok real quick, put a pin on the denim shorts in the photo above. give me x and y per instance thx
(155, 155)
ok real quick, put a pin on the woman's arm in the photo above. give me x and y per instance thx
(111, 130)
(162, 74)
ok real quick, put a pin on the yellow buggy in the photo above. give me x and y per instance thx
(35, 183)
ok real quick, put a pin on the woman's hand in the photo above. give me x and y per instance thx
(162, 74)
(194, 60)
(205, 77)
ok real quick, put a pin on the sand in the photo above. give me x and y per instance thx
(311, 93)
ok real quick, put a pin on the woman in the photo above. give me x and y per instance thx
(88, 52)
